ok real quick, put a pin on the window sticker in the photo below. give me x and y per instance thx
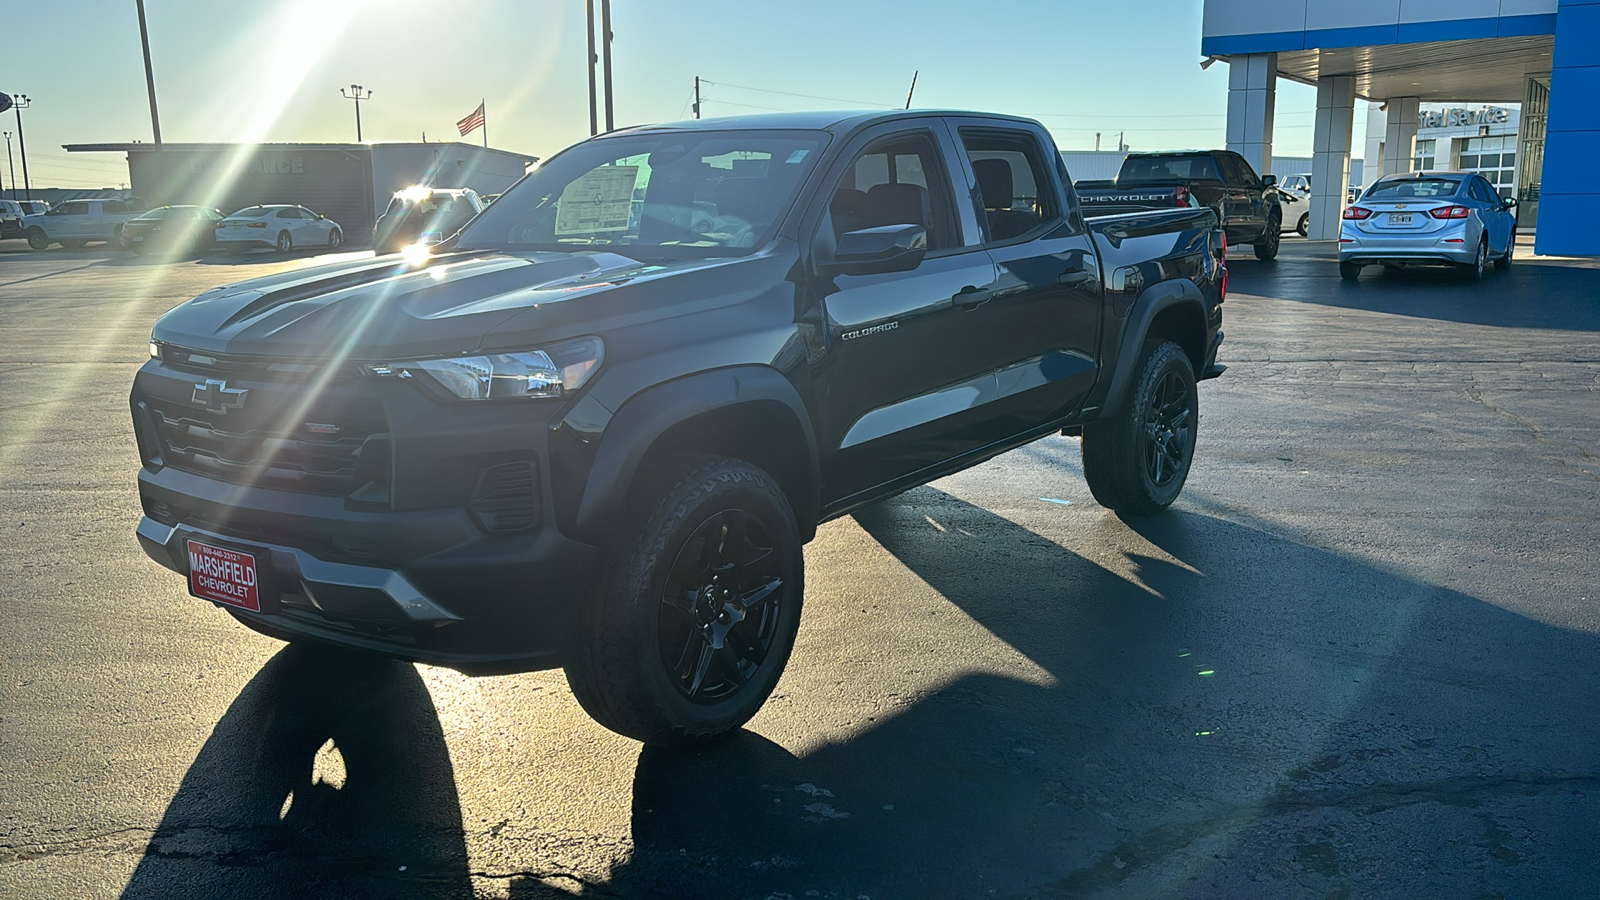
(598, 201)
(796, 156)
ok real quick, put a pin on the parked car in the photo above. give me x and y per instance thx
(173, 229)
(11, 214)
(74, 223)
(1219, 180)
(1428, 219)
(1294, 205)
(424, 215)
(590, 440)
(1298, 183)
(279, 225)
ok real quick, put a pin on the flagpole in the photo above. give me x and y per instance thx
(482, 103)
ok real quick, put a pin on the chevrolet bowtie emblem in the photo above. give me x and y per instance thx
(218, 397)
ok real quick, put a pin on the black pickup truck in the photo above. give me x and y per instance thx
(1219, 180)
(594, 428)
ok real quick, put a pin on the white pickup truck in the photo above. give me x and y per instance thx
(75, 223)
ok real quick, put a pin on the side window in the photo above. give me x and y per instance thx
(290, 213)
(1236, 171)
(113, 206)
(75, 208)
(1018, 195)
(898, 181)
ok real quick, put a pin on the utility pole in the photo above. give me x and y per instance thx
(1097, 142)
(913, 90)
(13, 164)
(19, 103)
(149, 75)
(594, 114)
(356, 95)
(697, 96)
(605, 56)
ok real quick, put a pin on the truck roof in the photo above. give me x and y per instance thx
(835, 121)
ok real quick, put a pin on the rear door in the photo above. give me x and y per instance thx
(1039, 329)
(896, 377)
(1498, 220)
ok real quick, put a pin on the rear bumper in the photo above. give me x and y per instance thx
(1445, 247)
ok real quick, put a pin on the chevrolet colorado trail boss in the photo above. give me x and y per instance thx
(594, 429)
(1219, 180)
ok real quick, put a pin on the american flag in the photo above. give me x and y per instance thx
(472, 121)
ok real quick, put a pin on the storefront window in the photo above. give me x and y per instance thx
(1423, 161)
(1495, 158)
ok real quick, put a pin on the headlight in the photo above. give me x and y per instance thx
(554, 371)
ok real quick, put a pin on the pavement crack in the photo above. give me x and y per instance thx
(29, 850)
(1533, 429)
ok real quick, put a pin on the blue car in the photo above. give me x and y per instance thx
(1428, 219)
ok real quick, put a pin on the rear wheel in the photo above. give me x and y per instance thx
(285, 243)
(1267, 247)
(1137, 461)
(37, 239)
(697, 607)
(1473, 271)
(1349, 271)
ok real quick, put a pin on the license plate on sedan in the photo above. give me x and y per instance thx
(1400, 218)
(225, 576)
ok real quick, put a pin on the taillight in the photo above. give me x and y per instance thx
(256, 225)
(1181, 197)
(1450, 212)
(1357, 212)
(1224, 246)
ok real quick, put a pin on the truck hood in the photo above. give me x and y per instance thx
(384, 309)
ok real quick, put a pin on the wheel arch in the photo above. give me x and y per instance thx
(1172, 310)
(752, 413)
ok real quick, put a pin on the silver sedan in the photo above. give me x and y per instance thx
(1428, 219)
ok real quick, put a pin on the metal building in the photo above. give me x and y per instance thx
(350, 183)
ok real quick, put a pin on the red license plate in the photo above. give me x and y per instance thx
(226, 576)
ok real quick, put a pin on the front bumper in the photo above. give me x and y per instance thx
(412, 561)
(1449, 246)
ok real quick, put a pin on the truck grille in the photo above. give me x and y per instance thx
(314, 457)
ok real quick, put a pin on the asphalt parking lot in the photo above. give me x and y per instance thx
(1357, 659)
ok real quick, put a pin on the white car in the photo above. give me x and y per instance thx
(1294, 202)
(278, 225)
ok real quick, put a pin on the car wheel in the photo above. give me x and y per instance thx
(285, 243)
(1349, 271)
(1303, 227)
(1480, 262)
(1137, 461)
(1267, 247)
(1504, 262)
(696, 609)
(37, 239)
(118, 239)
(335, 238)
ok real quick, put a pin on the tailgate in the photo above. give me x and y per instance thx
(1113, 200)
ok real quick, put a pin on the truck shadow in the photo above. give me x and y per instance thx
(1230, 713)
(328, 776)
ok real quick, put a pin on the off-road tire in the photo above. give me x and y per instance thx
(37, 239)
(618, 670)
(1267, 248)
(1118, 451)
(1350, 271)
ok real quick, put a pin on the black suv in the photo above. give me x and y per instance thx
(596, 427)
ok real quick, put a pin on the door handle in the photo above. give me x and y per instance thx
(1074, 279)
(971, 297)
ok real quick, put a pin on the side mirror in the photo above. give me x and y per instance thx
(1269, 180)
(888, 248)
(1509, 203)
(320, 217)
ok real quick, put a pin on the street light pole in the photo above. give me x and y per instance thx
(149, 75)
(594, 114)
(13, 164)
(356, 95)
(20, 103)
(605, 56)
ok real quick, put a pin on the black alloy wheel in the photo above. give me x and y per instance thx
(720, 610)
(1169, 430)
(1267, 247)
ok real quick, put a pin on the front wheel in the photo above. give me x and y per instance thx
(1504, 262)
(1267, 247)
(1137, 461)
(1303, 227)
(335, 238)
(696, 609)
(37, 239)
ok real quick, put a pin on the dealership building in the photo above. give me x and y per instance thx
(1444, 71)
(349, 183)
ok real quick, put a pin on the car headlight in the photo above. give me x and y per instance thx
(550, 372)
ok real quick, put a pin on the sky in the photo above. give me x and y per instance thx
(271, 70)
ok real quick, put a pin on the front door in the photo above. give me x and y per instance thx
(896, 379)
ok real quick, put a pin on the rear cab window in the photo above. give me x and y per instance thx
(1151, 170)
(1013, 181)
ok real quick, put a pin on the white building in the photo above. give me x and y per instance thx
(1458, 137)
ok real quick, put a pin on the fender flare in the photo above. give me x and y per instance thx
(1155, 300)
(642, 420)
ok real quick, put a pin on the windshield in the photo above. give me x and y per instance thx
(1168, 168)
(1414, 187)
(695, 194)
